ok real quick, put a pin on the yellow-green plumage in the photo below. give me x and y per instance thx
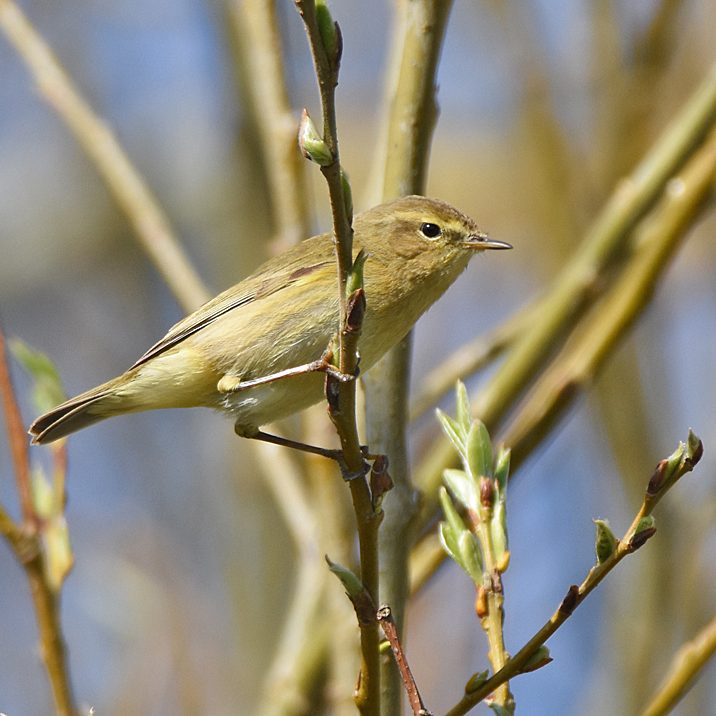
(283, 316)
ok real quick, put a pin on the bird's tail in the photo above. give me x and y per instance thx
(74, 414)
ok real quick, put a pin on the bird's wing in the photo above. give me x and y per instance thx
(264, 283)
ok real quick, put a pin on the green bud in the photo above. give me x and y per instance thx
(605, 543)
(347, 195)
(499, 709)
(673, 462)
(539, 659)
(47, 387)
(58, 551)
(311, 143)
(694, 447)
(350, 581)
(645, 529)
(479, 450)
(328, 29)
(355, 277)
(476, 681)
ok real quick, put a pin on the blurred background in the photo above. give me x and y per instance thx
(183, 565)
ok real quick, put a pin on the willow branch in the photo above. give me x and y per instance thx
(685, 668)
(412, 114)
(254, 23)
(342, 396)
(574, 369)
(640, 530)
(121, 177)
(27, 549)
(576, 285)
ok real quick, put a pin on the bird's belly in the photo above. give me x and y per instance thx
(273, 401)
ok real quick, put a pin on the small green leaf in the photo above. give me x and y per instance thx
(471, 556)
(60, 559)
(355, 277)
(327, 30)
(694, 447)
(47, 389)
(498, 532)
(539, 659)
(502, 469)
(673, 462)
(605, 542)
(645, 523)
(479, 450)
(347, 195)
(499, 709)
(476, 681)
(463, 412)
(350, 581)
(462, 488)
(453, 431)
(451, 514)
(448, 539)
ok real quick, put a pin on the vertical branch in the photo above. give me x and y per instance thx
(254, 23)
(411, 118)
(27, 548)
(326, 44)
(17, 438)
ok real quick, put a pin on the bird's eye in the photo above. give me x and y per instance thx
(430, 231)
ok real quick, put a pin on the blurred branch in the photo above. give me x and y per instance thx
(573, 369)
(124, 182)
(17, 438)
(668, 472)
(255, 26)
(685, 668)
(557, 310)
(594, 340)
(468, 359)
(27, 548)
(411, 92)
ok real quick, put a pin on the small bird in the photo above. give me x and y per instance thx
(237, 353)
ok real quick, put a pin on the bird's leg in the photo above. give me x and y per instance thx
(253, 433)
(234, 384)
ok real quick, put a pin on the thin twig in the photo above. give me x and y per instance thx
(17, 438)
(685, 668)
(342, 404)
(124, 182)
(27, 548)
(386, 621)
(638, 533)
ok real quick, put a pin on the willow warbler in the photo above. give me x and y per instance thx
(284, 315)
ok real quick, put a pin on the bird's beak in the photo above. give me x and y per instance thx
(481, 241)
